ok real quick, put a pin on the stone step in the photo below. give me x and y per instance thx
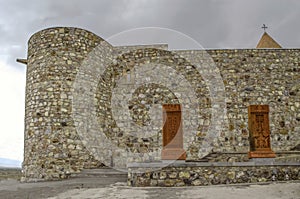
(290, 158)
(103, 172)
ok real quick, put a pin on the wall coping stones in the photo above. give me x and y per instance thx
(207, 164)
(132, 47)
(57, 28)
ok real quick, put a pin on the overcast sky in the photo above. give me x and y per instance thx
(212, 23)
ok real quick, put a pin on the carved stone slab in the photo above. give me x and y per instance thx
(172, 133)
(259, 132)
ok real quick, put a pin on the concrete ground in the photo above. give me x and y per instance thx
(113, 185)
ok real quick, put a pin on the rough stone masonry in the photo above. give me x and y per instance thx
(56, 138)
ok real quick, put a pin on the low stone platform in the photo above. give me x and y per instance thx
(181, 173)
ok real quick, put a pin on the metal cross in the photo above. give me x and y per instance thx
(264, 27)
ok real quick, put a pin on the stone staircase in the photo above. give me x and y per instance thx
(223, 157)
(102, 173)
(281, 156)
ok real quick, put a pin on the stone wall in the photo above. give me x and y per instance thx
(259, 76)
(200, 174)
(266, 76)
(78, 85)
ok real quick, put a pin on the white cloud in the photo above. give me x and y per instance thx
(12, 108)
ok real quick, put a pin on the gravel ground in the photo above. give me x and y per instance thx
(267, 191)
(115, 187)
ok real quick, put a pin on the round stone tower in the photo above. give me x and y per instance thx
(52, 148)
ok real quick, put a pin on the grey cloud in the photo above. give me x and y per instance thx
(214, 24)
